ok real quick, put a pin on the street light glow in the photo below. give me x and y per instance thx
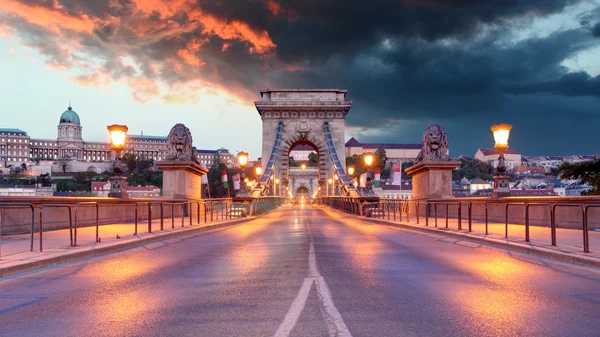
(368, 158)
(117, 136)
(303, 166)
(258, 170)
(501, 133)
(350, 170)
(330, 181)
(243, 159)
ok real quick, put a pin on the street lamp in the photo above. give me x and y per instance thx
(117, 143)
(258, 171)
(303, 166)
(369, 158)
(350, 170)
(242, 159)
(501, 184)
(276, 190)
(329, 183)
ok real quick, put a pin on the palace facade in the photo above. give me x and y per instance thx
(16, 147)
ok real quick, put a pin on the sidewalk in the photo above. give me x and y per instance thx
(16, 255)
(569, 242)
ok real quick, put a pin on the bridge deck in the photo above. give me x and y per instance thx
(282, 274)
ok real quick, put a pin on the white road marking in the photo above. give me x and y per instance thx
(286, 327)
(333, 319)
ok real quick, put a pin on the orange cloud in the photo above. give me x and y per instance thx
(189, 53)
(54, 18)
(237, 30)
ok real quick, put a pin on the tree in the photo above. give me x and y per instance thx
(313, 158)
(64, 164)
(136, 179)
(380, 158)
(587, 172)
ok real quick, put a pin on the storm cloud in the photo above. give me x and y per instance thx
(464, 64)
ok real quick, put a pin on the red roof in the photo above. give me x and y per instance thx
(98, 185)
(489, 152)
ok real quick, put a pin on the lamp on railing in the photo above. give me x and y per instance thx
(501, 184)
(368, 158)
(242, 159)
(118, 135)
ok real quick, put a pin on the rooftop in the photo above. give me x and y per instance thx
(13, 131)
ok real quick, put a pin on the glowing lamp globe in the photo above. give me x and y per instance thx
(368, 158)
(242, 159)
(330, 181)
(303, 166)
(258, 170)
(501, 133)
(277, 181)
(117, 136)
(350, 170)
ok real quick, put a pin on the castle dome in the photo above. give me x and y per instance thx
(70, 116)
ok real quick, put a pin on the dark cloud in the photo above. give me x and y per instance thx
(596, 30)
(405, 63)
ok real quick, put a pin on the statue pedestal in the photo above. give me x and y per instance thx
(181, 179)
(432, 179)
(117, 187)
(501, 187)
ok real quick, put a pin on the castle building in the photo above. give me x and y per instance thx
(16, 147)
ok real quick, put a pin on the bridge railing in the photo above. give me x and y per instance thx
(513, 215)
(139, 210)
(261, 205)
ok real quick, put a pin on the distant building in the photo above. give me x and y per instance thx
(479, 184)
(396, 153)
(102, 188)
(16, 147)
(17, 190)
(403, 191)
(512, 158)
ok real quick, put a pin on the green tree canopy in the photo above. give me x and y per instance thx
(587, 172)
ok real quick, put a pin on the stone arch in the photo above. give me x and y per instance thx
(291, 141)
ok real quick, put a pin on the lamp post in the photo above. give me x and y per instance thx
(117, 142)
(501, 184)
(329, 183)
(276, 191)
(368, 158)
(242, 159)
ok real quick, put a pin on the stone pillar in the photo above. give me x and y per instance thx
(432, 179)
(182, 179)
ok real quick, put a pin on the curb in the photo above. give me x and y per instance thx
(546, 253)
(79, 255)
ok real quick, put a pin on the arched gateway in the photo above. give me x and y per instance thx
(314, 117)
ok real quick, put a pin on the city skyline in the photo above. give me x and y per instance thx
(146, 65)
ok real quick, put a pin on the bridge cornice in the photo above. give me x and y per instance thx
(325, 110)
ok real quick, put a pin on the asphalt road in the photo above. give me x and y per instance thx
(305, 271)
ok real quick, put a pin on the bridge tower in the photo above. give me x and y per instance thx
(314, 117)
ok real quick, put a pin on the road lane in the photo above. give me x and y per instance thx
(243, 280)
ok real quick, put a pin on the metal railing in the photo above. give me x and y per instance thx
(392, 209)
(553, 221)
(553, 227)
(41, 229)
(19, 205)
(586, 234)
(88, 203)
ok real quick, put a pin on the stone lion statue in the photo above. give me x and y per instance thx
(179, 144)
(435, 144)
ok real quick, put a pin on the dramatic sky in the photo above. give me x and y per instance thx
(464, 64)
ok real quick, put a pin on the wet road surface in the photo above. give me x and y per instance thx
(303, 271)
